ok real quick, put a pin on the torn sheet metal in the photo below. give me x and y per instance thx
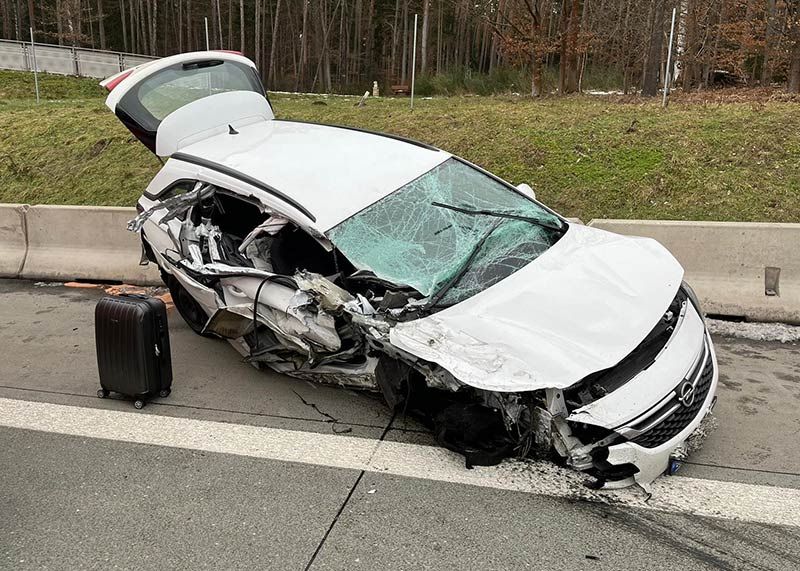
(331, 297)
(174, 206)
(302, 326)
(288, 312)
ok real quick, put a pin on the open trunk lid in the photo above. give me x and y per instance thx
(178, 100)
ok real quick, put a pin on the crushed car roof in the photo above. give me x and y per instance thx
(333, 172)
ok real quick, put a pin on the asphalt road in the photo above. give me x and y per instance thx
(237, 470)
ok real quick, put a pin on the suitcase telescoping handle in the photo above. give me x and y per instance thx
(135, 295)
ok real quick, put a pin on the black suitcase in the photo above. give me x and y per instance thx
(132, 340)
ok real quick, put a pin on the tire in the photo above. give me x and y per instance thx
(102, 393)
(164, 393)
(191, 311)
(138, 404)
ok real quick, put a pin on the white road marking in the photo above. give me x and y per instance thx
(729, 500)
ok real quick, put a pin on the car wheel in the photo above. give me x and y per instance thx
(191, 311)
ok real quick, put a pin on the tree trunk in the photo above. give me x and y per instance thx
(571, 79)
(653, 62)
(535, 14)
(568, 57)
(101, 24)
(124, 25)
(794, 66)
(220, 43)
(70, 22)
(257, 36)
(241, 26)
(154, 29)
(370, 41)
(17, 21)
(423, 65)
(230, 24)
(193, 44)
(404, 57)
(300, 81)
(91, 23)
(794, 70)
(59, 23)
(5, 13)
(439, 41)
(766, 67)
(395, 38)
(536, 74)
(271, 72)
(689, 66)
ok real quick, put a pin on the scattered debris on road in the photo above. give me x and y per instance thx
(755, 331)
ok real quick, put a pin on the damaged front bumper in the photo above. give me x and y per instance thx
(656, 441)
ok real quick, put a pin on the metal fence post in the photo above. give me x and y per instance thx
(75, 61)
(119, 59)
(25, 59)
(35, 67)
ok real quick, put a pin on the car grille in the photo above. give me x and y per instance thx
(682, 416)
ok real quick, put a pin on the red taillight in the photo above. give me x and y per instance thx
(114, 82)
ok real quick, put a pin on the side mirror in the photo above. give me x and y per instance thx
(526, 189)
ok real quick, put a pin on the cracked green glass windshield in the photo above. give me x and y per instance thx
(405, 239)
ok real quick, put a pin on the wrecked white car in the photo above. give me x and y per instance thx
(366, 260)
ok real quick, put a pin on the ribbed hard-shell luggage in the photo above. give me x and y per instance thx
(133, 354)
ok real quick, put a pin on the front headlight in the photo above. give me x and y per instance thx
(693, 298)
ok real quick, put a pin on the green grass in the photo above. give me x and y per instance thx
(731, 161)
(21, 85)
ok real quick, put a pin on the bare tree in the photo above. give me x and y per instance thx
(271, 71)
(241, 26)
(423, 66)
(652, 65)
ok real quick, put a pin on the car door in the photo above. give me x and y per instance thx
(183, 98)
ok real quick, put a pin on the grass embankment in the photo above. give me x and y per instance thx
(589, 157)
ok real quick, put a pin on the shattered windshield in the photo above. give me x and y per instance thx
(406, 239)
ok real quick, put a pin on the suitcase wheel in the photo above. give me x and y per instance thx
(138, 404)
(102, 393)
(164, 393)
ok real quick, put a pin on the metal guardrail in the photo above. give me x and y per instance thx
(67, 60)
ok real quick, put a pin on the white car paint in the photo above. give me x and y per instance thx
(208, 117)
(578, 308)
(334, 172)
(648, 388)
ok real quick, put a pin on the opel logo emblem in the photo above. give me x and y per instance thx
(686, 394)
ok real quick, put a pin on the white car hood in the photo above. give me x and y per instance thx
(580, 307)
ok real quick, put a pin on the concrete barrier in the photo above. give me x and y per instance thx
(741, 269)
(84, 242)
(13, 239)
(749, 270)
